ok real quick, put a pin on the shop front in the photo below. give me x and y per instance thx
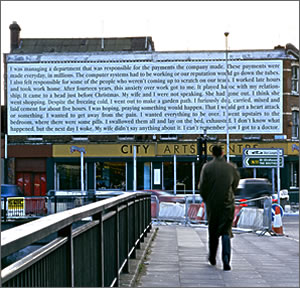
(111, 166)
(165, 166)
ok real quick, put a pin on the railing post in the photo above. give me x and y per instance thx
(101, 250)
(133, 254)
(142, 219)
(126, 266)
(138, 219)
(117, 246)
(55, 204)
(67, 232)
(149, 213)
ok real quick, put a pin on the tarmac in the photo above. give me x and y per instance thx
(177, 257)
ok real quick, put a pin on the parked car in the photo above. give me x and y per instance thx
(164, 196)
(251, 188)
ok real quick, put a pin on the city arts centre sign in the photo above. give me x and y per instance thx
(142, 93)
(163, 149)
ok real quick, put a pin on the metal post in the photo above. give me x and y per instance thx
(273, 180)
(151, 176)
(5, 147)
(82, 172)
(67, 232)
(95, 177)
(193, 172)
(134, 168)
(5, 174)
(175, 176)
(81, 151)
(126, 179)
(117, 246)
(86, 176)
(227, 100)
(55, 177)
(254, 172)
(278, 176)
(162, 176)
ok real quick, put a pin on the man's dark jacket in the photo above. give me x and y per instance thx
(218, 182)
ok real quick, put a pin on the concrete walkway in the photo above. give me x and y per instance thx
(178, 258)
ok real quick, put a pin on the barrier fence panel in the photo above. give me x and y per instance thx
(193, 211)
(91, 247)
(23, 207)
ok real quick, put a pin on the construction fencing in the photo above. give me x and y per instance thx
(193, 212)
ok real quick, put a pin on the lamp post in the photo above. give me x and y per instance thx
(227, 100)
(82, 151)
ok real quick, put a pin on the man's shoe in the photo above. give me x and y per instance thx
(226, 267)
(212, 261)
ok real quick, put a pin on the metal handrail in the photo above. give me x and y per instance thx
(114, 209)
(19, 237)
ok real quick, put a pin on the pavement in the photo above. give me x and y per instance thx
(177, 257)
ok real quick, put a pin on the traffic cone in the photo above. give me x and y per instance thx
(277, 223)
(201, 213)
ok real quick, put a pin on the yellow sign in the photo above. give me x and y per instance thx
(126, 150)
(15, 207)
(16, 203)
(165, 149)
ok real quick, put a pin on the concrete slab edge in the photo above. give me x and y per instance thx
(141, 258)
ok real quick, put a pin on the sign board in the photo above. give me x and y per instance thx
(269, 152)
(259, 162)
(16, 207)
(262, 158)
(153, 93)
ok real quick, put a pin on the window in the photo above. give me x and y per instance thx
(168, 176)
(110, 175)
(184, 177)
(295, 79)
(144, 175)
(68, 177)
(32, 184)
(295, 124)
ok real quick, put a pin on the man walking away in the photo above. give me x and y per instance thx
(218, 182)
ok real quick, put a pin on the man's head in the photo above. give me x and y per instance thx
(217, 151)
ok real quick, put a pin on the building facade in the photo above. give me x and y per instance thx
(263, 104)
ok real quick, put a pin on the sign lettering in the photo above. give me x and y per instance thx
(144, 97)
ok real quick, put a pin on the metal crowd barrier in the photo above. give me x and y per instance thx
(83, 253)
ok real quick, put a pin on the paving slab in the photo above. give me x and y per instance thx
(178, 258)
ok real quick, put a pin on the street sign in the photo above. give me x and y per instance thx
(272, 152)
(259, 162)
(262, 157)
